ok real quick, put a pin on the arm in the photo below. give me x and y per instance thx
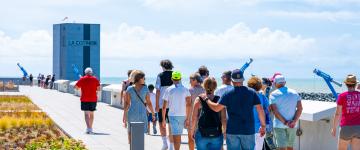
(261, 114)
(299, 109)
(223, 121)
(336, 120)
(149, 104)
(195, 116)
(126, 107)
(188, 111)
(277, 114)
(164, 113)
(215, 106)
(157, 99)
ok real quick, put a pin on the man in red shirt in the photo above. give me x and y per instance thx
(348, 111)
(89, 86)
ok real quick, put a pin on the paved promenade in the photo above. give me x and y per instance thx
(64, 109)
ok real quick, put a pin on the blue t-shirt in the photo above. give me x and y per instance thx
(239, 104)
(265, 104)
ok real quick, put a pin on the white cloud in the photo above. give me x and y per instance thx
(324, 15)
(238, 41)
(332, 2)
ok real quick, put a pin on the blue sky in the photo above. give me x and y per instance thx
(292, 37)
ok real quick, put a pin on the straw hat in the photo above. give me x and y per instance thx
(351, 80)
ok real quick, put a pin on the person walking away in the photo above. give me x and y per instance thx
(137, 103)
(204, 72)
(47, 82)
(208, 126)
(177, 97)
(195, 90)
(52, 81)
(89, 87)
(348, 112)
(239, 102)
(150, 117)
(269, 136)
(286, 105)
(255, 83)
(31, 78)
(163, 81)
(39, 80)
(125, 84)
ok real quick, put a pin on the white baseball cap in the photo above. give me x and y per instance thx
(279, 79)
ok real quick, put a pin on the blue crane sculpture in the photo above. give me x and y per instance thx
(246, 65)
(328, 79)
(25, 74)
(76, 72)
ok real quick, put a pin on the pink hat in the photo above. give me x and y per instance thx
(273, 77)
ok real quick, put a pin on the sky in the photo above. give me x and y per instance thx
(292, 37)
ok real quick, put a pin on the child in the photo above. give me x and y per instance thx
(153, 102)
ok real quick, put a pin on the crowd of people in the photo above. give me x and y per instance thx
(262, 113)
(42, 81)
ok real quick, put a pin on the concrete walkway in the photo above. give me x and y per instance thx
(64, 109)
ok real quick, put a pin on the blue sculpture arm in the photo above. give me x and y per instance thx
(25, 74)
(328, 79)
(76, 71)
(246, 65)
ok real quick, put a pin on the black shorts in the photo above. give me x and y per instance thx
(166, 115)
(88, 106)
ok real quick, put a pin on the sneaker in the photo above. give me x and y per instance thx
(154, 130)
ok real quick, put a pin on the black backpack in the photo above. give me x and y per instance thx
(209, 123)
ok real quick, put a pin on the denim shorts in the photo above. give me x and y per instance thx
(349, 132)
(284, 137)
(177, 124)
(240, 142)
(204, 143)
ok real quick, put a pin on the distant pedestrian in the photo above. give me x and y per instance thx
(286, 105)
(47, 82)
(31, 78)
(137, 103)
(150, 117)
(348, 112)
(89, 86)
(177, 97)
(204, 72)
(39, 80)
(52, 81)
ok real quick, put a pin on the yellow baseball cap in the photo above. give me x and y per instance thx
(176, 75)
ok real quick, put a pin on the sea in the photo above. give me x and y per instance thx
(316, 85)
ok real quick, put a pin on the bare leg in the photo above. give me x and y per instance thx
(355, 143)
(129, 137)
(343, 144)
(91, 119)
(177, 141)
(290, 148)
(171, 139)
(87, 118)
(191, 143)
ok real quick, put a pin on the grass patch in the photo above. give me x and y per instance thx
(24, 126)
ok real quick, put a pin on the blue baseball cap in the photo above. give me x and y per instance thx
(237, 75)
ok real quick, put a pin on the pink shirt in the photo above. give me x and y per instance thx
(350, 102)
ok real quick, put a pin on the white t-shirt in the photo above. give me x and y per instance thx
(162, 91)
(153, 100)
(176, 97)
(223, 89)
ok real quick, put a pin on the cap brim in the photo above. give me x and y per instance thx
(351, 83)
(237, 80)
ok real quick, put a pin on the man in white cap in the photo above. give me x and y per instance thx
(89, 86)
(286, 106)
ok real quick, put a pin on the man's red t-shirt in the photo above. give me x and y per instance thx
(88, 85)
(350, 102)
